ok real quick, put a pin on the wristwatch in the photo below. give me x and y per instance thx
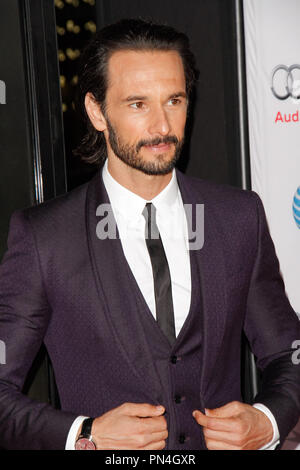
(85, 440)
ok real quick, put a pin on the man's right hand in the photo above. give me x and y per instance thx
(131, 426)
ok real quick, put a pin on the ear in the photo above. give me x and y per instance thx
(94, 112)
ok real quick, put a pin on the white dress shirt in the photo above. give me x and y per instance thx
(127, 208)
(171, 221)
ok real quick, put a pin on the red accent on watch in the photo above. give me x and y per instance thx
(85, 440)
(83, 443)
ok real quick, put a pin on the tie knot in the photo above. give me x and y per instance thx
(149, 211)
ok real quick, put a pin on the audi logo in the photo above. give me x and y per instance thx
(284, 83)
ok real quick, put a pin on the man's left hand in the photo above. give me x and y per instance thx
(235, 426)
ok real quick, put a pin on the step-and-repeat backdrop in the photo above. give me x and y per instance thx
(272, 40)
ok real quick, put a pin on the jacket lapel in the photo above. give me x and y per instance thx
(120, 307)
(116, 292)
(210, 261)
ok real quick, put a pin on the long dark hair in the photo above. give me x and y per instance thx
(127, 34)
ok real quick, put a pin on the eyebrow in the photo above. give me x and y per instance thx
(143, 98)
(181, 94)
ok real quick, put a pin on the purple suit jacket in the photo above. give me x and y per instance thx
(61, 285)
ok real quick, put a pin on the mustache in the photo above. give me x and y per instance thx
(169, 139)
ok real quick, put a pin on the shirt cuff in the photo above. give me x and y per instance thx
(275, 439)
(70, 444)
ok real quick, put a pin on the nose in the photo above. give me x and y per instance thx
(159, 122)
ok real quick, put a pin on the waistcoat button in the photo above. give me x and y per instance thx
(177, 399)
(174, 359)
(181, 439)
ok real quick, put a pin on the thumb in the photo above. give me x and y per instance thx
(142, 410)
(215, 412)
(224, 411)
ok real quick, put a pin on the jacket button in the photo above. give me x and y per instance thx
(177, 399)
(174, 359)
(181, 439)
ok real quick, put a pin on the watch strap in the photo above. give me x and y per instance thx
(86, 429)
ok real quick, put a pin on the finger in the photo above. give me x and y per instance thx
(157, 437)
(217, 424)
(143, 441)
(219, 445)
(154, 424)
(142, 410)
(227, 437)
(226, 411)
(136, 442)
(160, 445)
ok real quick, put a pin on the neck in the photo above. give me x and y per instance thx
(145, 186)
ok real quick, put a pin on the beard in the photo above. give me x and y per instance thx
(130, 155)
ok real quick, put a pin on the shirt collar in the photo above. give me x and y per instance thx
(129, 205)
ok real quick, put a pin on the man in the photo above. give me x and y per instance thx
(144, 330)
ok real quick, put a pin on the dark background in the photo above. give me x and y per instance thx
(40, 43)
(212, 151)
(212, 148)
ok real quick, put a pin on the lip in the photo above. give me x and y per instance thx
(158, 148)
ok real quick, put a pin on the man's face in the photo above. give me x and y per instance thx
(146, 106)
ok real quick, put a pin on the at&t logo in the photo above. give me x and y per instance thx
(296, 207)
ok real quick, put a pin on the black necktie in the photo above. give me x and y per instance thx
(161, 275)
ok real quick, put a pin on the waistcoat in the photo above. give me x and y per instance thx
(179, 368)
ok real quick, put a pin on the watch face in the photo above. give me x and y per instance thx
(85, 444)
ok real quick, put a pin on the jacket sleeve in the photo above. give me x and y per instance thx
(24, 317)
(272, 328)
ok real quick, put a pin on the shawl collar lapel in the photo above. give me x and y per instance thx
(112, 278)
(210, 260)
